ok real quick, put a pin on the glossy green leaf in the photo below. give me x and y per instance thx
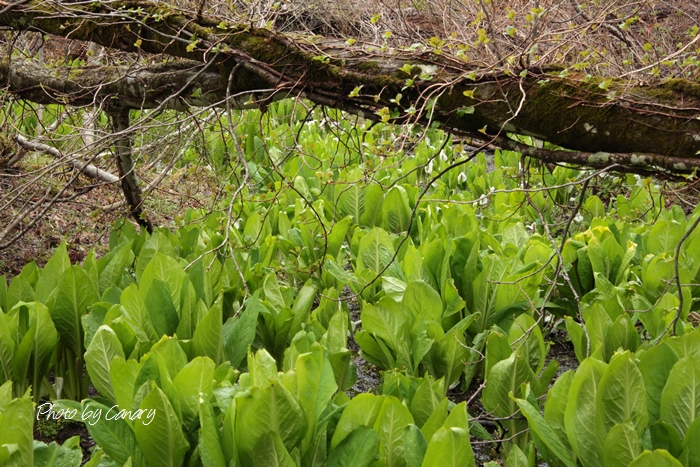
(209, 439)
(358, 449)
(51, 274)
(360, 411)
(621, 395)
(267, 409)
(54, 455)
(193, 381)
(239, 332)
(160, 308)
(113, 434)
(102, 349)
(391, 422)
(162, 440)
(415, 446)
(74, 295)
(621, 446)
(580, 414)
(206, 341)
(548, 443)
(16, 429)
(655, 365)
(690, 444)
(680, 399)
(396, 213)
(449, 447)
(658, 458)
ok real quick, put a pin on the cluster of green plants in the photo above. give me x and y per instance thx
(225, 340)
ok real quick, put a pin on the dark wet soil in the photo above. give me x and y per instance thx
(562, 350)
(368, 376)
(58, 431)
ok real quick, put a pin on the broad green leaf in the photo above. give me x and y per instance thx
(415, 446)
(123, 374)
(680, 399)
(351, 202)
(5, 395)
(451, 352)
(688, 345)
(16, 429)
(396, 213)
(594, 206)
(373, 203)
(505, 377)
(174, 357)
(51, 274)
(621, 446)
(375, 251)
(75, 294)
(267, 409)
(623, 335)
(664, 436)
(580, 414)
(162, 441)
(158, 242)
(422, 302)
(102, 349)
(270, 452)
(337, 236)
(548, 443)
(165, 269)
(302, 306)
(436, 420)
(449, 447)
(273, 294)
(33, 354)
(555, 406)
(424, 402)
(516, 458)
(655, 365)
(315, 388)
(206, 341)
(136, 314)
(20, 290)
(195, 379)
(664, 237)
(54, 455)
(658, 458)
(578, 338)
(358, 449)
(209, 439)
(113, 434)
(690, 444)
(160, 308)
(239, 332)
(360, 411)
(458, 418)
(621, 395)
(525, 333)
(393, 418)
(118, 259)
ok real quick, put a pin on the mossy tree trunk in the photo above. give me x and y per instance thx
(598, 122)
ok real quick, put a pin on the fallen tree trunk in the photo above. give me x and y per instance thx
(641, 126)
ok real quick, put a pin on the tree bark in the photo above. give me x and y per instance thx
(643, 126)
(125, 164)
